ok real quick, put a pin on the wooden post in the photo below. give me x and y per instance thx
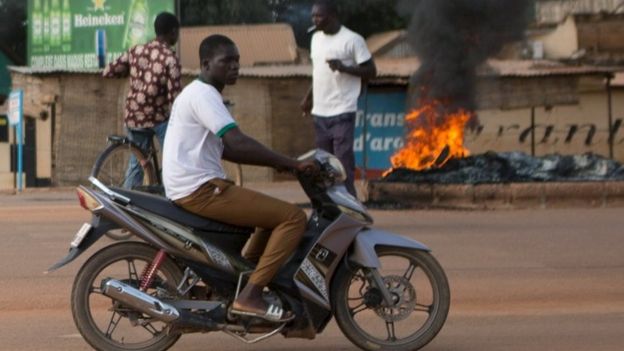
(610, 115)
(533, 131)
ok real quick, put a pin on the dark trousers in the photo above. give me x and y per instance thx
(335, 135)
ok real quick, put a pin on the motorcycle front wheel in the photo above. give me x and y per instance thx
(106, 324)
(421, 299)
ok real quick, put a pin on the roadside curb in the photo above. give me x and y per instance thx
(42, 190)
(499, 196)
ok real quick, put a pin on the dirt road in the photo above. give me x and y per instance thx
(520, 280)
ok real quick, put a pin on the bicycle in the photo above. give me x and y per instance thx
(111, 168)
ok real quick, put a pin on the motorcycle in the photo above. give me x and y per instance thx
(385, 291)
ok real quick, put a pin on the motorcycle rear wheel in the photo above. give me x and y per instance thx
(421, 291)
(109, 326)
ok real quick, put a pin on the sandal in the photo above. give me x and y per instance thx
(274, 313)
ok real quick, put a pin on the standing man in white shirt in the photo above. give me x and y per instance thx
(340, 61)
(201, 132)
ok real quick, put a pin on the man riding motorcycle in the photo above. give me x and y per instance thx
(202, 132)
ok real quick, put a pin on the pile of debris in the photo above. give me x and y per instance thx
(510, 167)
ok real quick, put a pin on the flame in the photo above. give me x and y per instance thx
(431, 130)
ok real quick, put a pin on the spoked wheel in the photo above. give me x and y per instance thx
(420, 294)
(109, 325)
(111, 168)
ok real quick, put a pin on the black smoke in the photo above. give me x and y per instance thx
(452, 38)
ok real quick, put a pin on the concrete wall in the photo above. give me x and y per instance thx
(6, 177)
(268, 110)
(601, 34)
(562, 42)
(252, 108)
(553, 11)
(83, 109)
(39, 97)
(560, 129)
(292, 134)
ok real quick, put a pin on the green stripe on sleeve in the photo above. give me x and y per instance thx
(225, 129)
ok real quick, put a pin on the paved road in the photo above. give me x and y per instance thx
(521, 280)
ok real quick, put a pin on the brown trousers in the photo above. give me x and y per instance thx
(279, 224)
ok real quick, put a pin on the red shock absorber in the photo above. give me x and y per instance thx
(147, 277)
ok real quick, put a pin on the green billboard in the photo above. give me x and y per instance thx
(62, 34)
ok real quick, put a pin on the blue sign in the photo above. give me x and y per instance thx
(385, 114)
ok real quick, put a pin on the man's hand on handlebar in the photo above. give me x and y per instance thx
(307, 167)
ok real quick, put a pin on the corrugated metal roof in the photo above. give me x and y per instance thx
(404, 68)
(386, 68)
(51, 70)
(257, 44)
(398, 68)
(270, 71)
(533, 68)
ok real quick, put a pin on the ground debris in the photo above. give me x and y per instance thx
(506, 167)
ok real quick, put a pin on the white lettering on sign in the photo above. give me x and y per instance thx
(379, 144)
(381, 120)
(98, 21)
(15, 104)
(71, 61)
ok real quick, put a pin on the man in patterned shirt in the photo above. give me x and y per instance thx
(154, 71)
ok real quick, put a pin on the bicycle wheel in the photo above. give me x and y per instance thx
(111, 167)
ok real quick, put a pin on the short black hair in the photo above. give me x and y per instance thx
(328, 5)
(165, 23)
(210, 44)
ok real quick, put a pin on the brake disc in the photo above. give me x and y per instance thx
(404, 297)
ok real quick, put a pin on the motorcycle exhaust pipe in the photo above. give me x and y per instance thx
(140, 301)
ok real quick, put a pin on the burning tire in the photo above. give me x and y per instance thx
(421, 302)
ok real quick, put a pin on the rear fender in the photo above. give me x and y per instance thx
(363, 247)
(124, 220)
(99, 227)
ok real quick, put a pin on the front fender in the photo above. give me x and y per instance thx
(100, 227)
(363, 247)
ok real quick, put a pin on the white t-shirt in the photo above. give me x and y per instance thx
(334, 93)
(193, 147)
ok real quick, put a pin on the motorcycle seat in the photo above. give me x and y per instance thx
(165, 208)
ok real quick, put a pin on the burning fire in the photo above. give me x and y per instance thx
(434, 137)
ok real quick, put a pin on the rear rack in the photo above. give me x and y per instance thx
(113, 195)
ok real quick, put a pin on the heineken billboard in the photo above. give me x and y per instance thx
(65, 34)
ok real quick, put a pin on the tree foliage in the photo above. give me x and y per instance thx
(13, 29)
(364, 16)
(216, 12)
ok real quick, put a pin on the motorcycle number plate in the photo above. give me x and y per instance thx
(82, 233)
